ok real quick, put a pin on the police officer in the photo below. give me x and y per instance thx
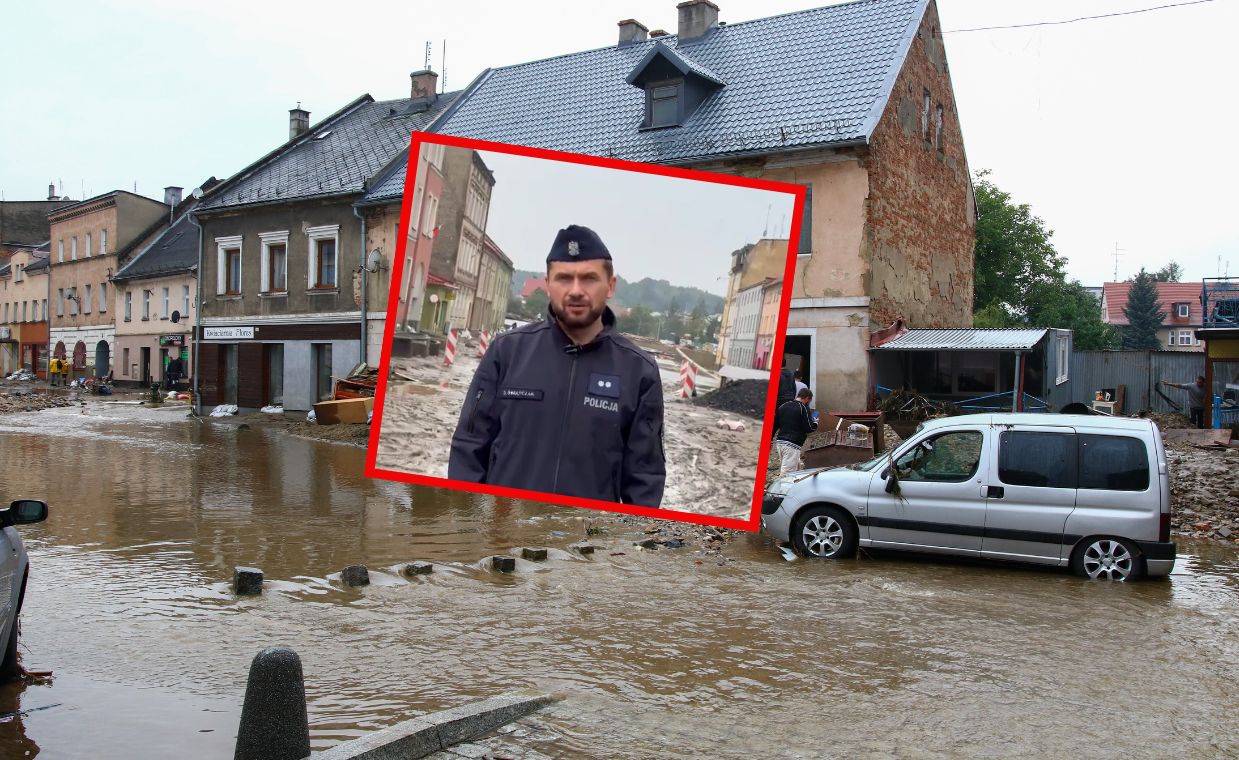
(566, 405)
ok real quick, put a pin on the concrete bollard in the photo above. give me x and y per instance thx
(583, 548)
(247, 581)
(418, 568)
(533, 554)
(502, 564)
(274, 724)
(355, 575)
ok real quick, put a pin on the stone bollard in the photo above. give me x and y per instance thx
(355, 575)
(533, 554)
(502, 564)
(583, 548)
(418, 568)
(274, 724)
(247, 581)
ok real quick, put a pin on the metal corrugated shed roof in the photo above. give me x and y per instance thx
(967, 339)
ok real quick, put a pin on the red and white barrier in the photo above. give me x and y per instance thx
(688, 378)
(449, 351)
(483, 342)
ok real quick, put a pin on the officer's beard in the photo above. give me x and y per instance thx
(579, 321)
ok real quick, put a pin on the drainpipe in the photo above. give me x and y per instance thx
(197, 329)
(364, 277)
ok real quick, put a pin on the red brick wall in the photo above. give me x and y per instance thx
(920, 218)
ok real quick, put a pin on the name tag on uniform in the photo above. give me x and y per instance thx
(527, 394)
(603, 385)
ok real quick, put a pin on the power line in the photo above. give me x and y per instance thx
(1081, 18)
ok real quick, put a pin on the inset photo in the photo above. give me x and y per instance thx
(584, 331)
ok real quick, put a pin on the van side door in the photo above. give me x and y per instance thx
(937, 506)
(1120, 488)
(1029, 493)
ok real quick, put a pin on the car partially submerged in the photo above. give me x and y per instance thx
(14, 572)
(1087, 492)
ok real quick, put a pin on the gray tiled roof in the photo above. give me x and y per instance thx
(813, 77)
(174, 251)
(966, 339)
(678, 58)
(355, 143)
(390, 185)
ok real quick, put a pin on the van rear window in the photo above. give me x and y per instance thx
(1113, 463)
(1047, 460)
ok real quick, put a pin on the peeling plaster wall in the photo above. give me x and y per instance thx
(841, 355)
(921, 220)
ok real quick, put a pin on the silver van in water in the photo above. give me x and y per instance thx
(1088, 492)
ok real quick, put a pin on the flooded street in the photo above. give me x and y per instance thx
(668, 653)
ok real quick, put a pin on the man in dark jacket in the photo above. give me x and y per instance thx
(566, 405)
(792, 424)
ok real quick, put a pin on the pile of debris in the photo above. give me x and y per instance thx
(1168, 420)
(1204, 493)
(746, 397)
(13, 402)
(910, 405)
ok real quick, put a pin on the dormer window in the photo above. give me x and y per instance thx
(662, 101)
(1182, 310)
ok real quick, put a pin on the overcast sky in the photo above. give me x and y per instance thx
(1116, 131)
(664, 228)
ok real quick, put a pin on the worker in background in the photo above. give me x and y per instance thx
(1195, 399)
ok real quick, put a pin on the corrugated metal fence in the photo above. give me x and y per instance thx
(1139, 371)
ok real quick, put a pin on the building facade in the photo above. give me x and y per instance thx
(23, 311)
(853, 101)
(768, 324)
(490, 306)
(456, 256)
(742, 351)
(294, 266)
(1180, 302)
(90, 240)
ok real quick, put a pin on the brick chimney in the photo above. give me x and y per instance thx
(424, 84)
(696, 18)
(632, 31)
(298, 122)
(172, 195)
(655, 34)
(51, 191)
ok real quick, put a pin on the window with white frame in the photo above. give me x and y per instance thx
(36, 309)
(73, 249)
(60, 251)
(1064, 359)
(103, 297)
(87, 301)
(274, 266)
(228, 265)
(1186, 338)
(167, 304)
(74, 304)
(323, 256)
(24, 309)
(184, 302)
(46, 315)
(60, 302)
(419, 202)
(103, 241)
(1182, 310)
(128, 305)
(430, 214)
(88, 245)
(17, 273)
(146, 304)
(6, 312)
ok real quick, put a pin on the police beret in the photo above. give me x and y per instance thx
(577, 243)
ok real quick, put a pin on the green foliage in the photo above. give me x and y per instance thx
(1021, 280)
(1013, 250)
(1144, 316)
(1172, 272)
(535, 305)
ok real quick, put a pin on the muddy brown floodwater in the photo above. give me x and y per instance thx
(670, 653)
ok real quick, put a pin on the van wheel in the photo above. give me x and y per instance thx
(1107, 558)
(824, 532)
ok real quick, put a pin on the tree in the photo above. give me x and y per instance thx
(1070, 305)
(536, 303)
(1144, 316)
(1172, 272)
(1013, 250)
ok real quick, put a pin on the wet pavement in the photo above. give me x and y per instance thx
(668, 653)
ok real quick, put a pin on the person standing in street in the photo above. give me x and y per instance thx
(1195, 399)
(173, 372)
(53, 370)
(566, 405)
(792, 424)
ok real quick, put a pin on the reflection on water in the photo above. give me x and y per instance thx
(658, 653)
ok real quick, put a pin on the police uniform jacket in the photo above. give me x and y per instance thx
(544, 414)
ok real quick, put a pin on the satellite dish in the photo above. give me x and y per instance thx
(373, 261)
(197, 192)
(176, 317)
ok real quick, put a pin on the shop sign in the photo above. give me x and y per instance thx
(227, 333)
(171, 340)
